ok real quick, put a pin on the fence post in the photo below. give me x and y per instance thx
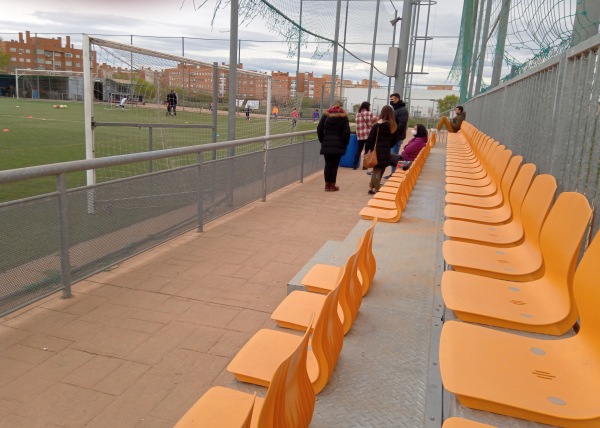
(150, 147)
(265, 171)
(65, 260)
(200, 194)
(302, 159)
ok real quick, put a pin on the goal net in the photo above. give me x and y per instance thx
(146, 100)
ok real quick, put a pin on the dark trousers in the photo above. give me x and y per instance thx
(332, 162)
(362, 144)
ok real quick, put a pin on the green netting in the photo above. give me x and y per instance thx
(316, 19)
(536, 30)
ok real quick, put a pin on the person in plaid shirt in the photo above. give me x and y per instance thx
(364, 120)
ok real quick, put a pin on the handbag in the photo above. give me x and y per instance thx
(370, 159)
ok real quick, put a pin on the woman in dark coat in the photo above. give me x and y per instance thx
(385, 132)
(334, 134)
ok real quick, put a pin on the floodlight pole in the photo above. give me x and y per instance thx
(373, 51)
(233, 44)
(393, 44)
(298, 59)
(501, 40)
(344, 50)
(335, 51)
(403, 48)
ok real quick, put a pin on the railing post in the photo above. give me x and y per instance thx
(302, 159)
(200, 194)
(150, 147)
(265, 171)
(65, 260)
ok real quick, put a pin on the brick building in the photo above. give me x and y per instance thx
(39, 53)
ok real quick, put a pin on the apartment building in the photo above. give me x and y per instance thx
(39, 53)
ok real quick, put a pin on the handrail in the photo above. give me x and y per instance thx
(83, 165)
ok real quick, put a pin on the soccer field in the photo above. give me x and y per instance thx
(40, 134)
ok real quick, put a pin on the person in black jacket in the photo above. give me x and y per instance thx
(334, 135)
(382, 137)
(401, 116)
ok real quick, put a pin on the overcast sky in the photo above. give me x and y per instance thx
(261, 49)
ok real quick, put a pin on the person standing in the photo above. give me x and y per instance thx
(172, 103)
(382, 137)
(364, 121)
(315, 115)
(275, 112)
(453, 125)
(401, 116)
(334, 135)
(247, 111)
(294, 117)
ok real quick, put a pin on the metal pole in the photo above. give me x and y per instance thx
(200, 206)
(298, 59)
(88, 106)
(373, 51)
(266, 143)
(335, 51)
(476, 48)
(344, 50)
(302, 159)
(485, 37)
(150, 147)
(233, 42)
(393, 44)
(182, 75)
(499, 54)
(65, 260)
(403, 47)
(215, 102)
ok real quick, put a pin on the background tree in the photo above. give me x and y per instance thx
(4, 59)
(447, 104)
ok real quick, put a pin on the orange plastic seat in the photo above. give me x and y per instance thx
(544, 305)
(523, 262)
(293, 312)
(485, 201)
(463, 423)
(322, 278)
(556, 382)
(527, 219)
(503, 213)
(258, 359)
(494, 201)
(288, 403)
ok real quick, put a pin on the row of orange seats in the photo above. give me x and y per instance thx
(513, 248)
(294, 367)
(389, 202)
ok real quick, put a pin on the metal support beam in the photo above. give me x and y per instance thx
(485, 37)
(403, 47)
(499, 54)
(335, 51)
(233, 44)
(373, 51)
(344, 50)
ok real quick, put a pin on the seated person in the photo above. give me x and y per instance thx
(453, 125)
(415, 145)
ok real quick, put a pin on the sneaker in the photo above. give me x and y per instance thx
(369, 172)
(386, 177)
(372, 192)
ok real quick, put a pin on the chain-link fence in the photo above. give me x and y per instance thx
(550, 115)
(51, 240)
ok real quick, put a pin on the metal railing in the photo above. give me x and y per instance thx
(52, 240)
(550, 116)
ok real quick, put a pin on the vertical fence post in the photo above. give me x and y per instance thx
(302, 159)
(65, 260)
(200, 193)
(149, 147)
(265, 172)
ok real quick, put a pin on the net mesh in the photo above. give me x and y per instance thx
(537, 30)
(315, 22)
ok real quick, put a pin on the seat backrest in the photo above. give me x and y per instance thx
(366, 260)
(498, 167)
(350, 297)
(328, 337)
(290, 399)
(563, 232)
(520, 187)
(536, 206)
(509, 175)
(587, 294)
(248, 422)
